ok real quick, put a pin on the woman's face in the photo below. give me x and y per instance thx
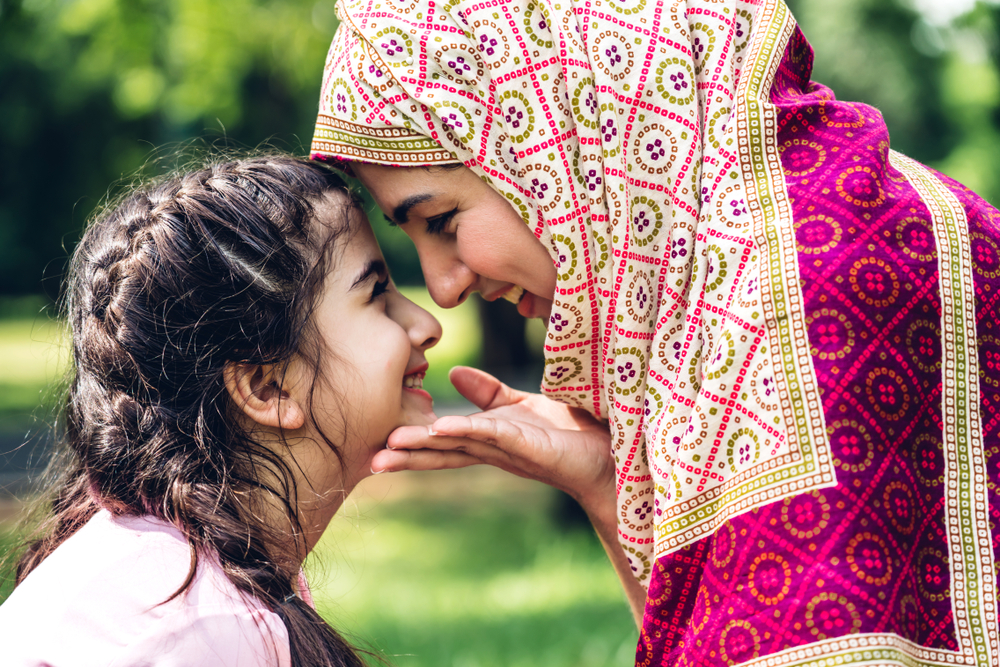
(469, 238)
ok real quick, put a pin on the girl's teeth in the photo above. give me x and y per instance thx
(413, 381)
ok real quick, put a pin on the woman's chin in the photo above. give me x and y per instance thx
(533, 306)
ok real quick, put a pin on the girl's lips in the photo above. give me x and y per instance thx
(419, 392)
(417, 372)
(413, 382)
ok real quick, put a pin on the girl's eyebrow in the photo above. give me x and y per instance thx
(374, 267)
(401, 213)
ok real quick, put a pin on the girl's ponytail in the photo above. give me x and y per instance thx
(303, 623)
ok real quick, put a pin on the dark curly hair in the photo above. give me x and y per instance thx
(178, 279)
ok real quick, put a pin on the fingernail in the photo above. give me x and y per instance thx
(377, 472)
(431, 431)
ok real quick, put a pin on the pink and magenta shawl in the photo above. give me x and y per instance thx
(791, 329)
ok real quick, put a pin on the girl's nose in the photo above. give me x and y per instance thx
(423, 328)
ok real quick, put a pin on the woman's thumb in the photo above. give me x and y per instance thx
(482, 389)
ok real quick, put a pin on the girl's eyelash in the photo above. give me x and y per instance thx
(380, 288)
(437, 224)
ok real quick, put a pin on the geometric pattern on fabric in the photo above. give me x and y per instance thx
(895, 564)
(967, 506)
(792, 330)
(629, 138)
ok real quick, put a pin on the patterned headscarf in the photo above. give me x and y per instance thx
(791, 328)
(627, 133)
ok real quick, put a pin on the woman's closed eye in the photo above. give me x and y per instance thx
(439, 223)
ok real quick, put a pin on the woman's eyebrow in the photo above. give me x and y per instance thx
(401, 213)
(374, 267)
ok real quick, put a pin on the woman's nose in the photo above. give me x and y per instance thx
(448, 279)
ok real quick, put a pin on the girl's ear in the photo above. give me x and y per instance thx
(258, 393)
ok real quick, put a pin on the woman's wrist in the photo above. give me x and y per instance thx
(602, 510)
(599, 503)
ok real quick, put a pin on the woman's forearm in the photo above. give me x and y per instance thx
(602, 516)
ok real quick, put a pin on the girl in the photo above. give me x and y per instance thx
(239, 355)
(790, 328)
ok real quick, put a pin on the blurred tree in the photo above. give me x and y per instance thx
(865, 51)
(92, 87)
(930, 67)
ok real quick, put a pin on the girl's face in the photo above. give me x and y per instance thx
(469, 238)
(373, 341)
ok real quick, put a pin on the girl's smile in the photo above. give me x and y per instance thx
(414, 381)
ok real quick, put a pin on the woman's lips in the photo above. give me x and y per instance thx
(529, 305)
(533, 306)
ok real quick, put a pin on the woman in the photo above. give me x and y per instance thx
(787, 326)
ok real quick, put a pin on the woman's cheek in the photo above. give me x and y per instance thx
(488, 259)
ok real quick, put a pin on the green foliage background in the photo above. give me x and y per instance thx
(91, 89)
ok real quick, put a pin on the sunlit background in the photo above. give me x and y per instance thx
(465, 568)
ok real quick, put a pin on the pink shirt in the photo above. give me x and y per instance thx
(96, 601)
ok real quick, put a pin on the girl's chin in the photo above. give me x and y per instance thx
(419, 417)
(418, 407)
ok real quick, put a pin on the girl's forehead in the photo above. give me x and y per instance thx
(360, 245)
(337, 208)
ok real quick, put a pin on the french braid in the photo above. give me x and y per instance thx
(165, 288)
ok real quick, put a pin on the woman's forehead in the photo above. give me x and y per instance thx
(397, 189)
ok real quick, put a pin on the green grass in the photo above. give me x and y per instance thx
(463, 569)
(8, 541)
(33, 354)
(471, 578)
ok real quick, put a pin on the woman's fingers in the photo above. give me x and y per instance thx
(482, 389)
(482, 437)
(507, 436)
(396, 460)
(576, 461)
(410, 437)
(497, 442)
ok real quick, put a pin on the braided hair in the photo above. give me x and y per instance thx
(182, 276)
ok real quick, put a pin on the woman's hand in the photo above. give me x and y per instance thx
(525, 434)
(530, 436)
